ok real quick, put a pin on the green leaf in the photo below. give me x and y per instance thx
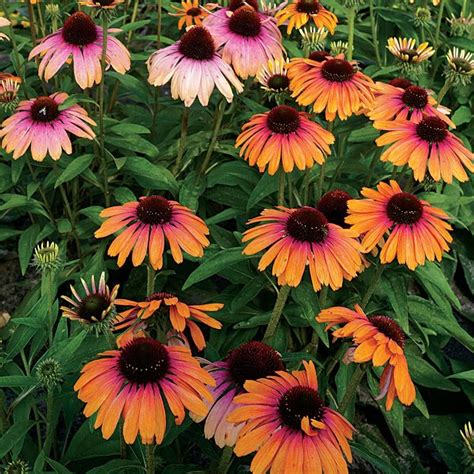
(425, 374)
(373, 459)
(393, 285)
(149, 175)
(215, 264)
(467, 375)
(192, 189)
(14, 436)
(462, 115)
(117, 465)
(26, 245)
(14, 381)
(266, 186)
(75, 168)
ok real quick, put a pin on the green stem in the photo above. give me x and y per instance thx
(464, 8)
(372, 167)
(3, 414)
(276, 313)
(182, 140)
(225, 461)
(150, 280)
(281, 187)
(351, 388)
(158, 23)
(323, 296)
(150, 458)
(373, 284)
(102, 112)
(447, 85)
(351, 13)
(31, 14)
(319, 187)
(50, 428)
(71, 219)
(438, 23)
(375, 39)
(215, 133)
(306, 183)
(16, 54)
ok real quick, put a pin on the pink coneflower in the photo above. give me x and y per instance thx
(194, 68)
(39, 124)
(250, 361)
(81, 39)
(248, 38)
(394, 102)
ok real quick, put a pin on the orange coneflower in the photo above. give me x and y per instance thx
(150, 222)
(290, 427)
(182, 316)
(416, 230)
(334, 85)
(299, 12)
(407, 51)
(393, 101)
(273, 77)
(284, 137)
(333, 205)
(190, 13)
(249, 361)
(96, 308)
(425, 145)
(9, 86)
(303, 237)
(130, 383)
(380, 339)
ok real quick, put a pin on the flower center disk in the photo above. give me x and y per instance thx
(253, 360)
(432, 129)
(299, 402)
(245, 22)
(195, 11)
(159, 296)
(307, 225)
(283, 119)
(310, 8)
(400, 82)
(104, 3)
(79, 29)
(144, 360)
(236, 4)
(319, 56)
(415, 97)
(411, 53)
(44, 109)
(154, 210)
(404, 208)
(278, 82)
(337, 70)
(334, 206)
(390, 328)
(92, 307)
(197, 43)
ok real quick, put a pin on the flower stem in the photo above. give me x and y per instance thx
(373, 284)
(281, 187)
(150, 280)
(215, 132)
(158, 23)
(276, 313)
(375, 39)
(102, 111)
(351, 13)
(225, 461)
(16, 54)
(31, 14)
(50, 428)
(150, 458)
(351, 388)
(182, 140)
(444, 90)
(438, 23)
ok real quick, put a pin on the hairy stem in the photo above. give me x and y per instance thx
(215, 133)
(182, 140)
(150, 458)
(225, 461)
(372, 285)
(276, 314)
(351, 13)
(373, 26)
(351, 388)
